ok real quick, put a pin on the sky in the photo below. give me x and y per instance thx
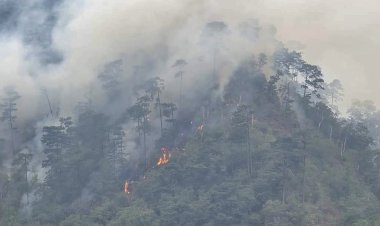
(343, 37)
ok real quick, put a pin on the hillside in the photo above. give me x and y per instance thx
(259, 143)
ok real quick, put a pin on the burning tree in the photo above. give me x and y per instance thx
(126, 187)
(165, 156)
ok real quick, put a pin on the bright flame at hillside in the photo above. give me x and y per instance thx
(200, 128)
(126, 187)
(165, 156)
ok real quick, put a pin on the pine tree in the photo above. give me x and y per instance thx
(179, 65)
(9, 108)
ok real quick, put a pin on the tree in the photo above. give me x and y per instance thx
(289, 160)
(354, 135)
(9, 109)
(22, 160)
(271, 87)
(153, 88)
(179, 65)
(287, 65)
(361, 111)
(324, 118)
(334, 91)
(45, 92)
(250, 29)
(139, 113)
(110, 78)
(241, 121)
(312, 80)
(284, 91)
(57, 140)
(366, 113)
(116, 149)
(292, 64)
(262, 60)
(168, 110)
(215, 31)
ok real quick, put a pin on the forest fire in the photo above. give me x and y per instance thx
(126, 187)
(200, 128)
(165, 156)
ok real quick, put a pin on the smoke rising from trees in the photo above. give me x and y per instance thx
(64, 45)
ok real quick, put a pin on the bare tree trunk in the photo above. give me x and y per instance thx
(320, 122)
(214, 63)
(144, 137)
(304, 92)
(287, 101)
(26, 180)
(11, 128)
(172, 113)
(305, 87)
(344, 144)
(304, 171)
(343, 147)
(203, 115)
(115, 159)
(283, 178)
(159, 107)
(12, 142)
(139, 129)
(249, 152)
(48, 100)
(180, 90)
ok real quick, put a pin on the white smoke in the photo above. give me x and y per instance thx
(148, 36)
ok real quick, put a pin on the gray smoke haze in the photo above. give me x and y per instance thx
(340, 36)
(98, 53)
(62, 46)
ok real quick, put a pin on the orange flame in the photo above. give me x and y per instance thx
(126, 187)
(200, 128)
(165, 157)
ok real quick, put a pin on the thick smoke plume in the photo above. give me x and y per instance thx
(62, 46)
(60, 55)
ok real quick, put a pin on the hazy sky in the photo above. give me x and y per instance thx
(342, 36)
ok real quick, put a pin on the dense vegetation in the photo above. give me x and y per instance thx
(270, 149)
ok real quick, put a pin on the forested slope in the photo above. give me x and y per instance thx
(266, 147)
